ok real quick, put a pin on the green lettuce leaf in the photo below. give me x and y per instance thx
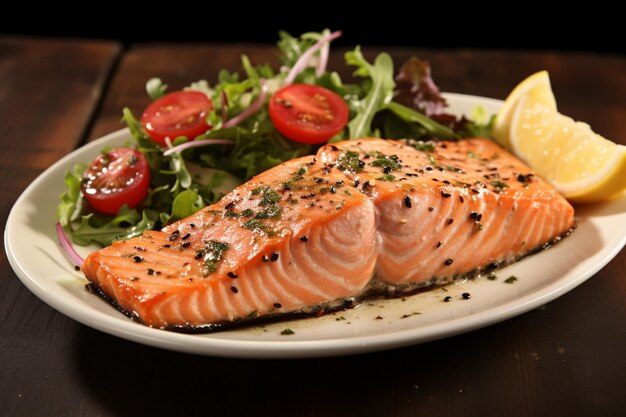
(379, 94)
(71, 201)
(292, 48)
(432, 127)
(185, 204)
(256, 150)
(127, 224)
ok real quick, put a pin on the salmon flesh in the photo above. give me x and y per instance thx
(361, 218)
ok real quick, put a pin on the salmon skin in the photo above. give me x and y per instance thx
(361, 218)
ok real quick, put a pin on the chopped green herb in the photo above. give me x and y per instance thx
(247, 213)
(424, 146)
(387, 177)
(291, 183)
(349, 161)
(287, 332)
(254, 224)
(269, 197)
(391, 162)
(436, 164)
(213, 252)
(499, 184)
(511, 280)
(273, 212)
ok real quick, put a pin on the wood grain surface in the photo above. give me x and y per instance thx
(564, 359)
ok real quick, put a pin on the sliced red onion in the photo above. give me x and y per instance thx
(224, 106)
(323, 60)
(253, 108)
(67, 246)
(194, 143)
(304, 59)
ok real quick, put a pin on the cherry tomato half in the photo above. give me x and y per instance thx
(120, 177)
(181, 113)
(308, 113)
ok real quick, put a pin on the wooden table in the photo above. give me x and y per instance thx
(568, 358)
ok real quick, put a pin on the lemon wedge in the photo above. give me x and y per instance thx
(582, 165)
(536, 86)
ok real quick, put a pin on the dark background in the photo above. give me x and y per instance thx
(589, 27)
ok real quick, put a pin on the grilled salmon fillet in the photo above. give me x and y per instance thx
(360, 218)
(452, 208)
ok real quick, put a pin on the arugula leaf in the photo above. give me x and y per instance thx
(379, 94)
(256, 73)
(127, 224)
(256, 150)
(71, 201)
(145, 144)
(435, 129)
(392, 126)
(178, 168)
(185, 204)
(292, 48)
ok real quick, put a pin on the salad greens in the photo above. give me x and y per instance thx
(379, 95)
(408, 105)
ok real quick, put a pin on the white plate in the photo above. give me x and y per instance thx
(42, 266)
